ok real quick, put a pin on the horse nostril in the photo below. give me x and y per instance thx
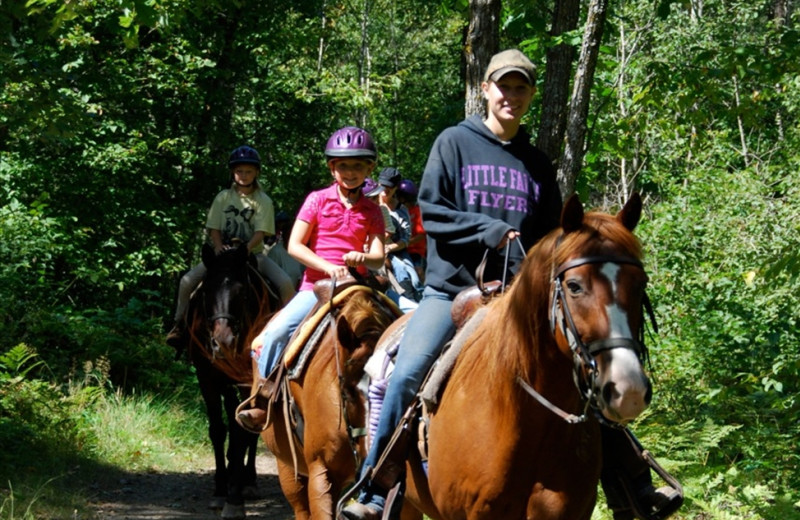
(648, 396)
(608, 392)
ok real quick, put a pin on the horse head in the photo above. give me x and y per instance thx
(226, 299)
(359, 325)
(597, 307)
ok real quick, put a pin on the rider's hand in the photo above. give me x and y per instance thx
(354, 258)
(511, 235)
(337, 271)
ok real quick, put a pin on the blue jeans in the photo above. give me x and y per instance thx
(281, 328)
(403, 268)
(406, 304)
(429, 328)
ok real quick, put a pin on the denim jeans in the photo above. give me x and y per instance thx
(403, 268)
(429, 328)
(281, 328)
(406, 304)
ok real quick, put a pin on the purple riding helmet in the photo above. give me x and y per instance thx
(350, 141)
(407, 188)
(370, 188)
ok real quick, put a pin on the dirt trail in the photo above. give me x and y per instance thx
(182, 496)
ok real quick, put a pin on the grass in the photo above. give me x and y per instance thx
(145, 432)
(55, 454)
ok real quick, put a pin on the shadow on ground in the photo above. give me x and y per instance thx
(174, 496)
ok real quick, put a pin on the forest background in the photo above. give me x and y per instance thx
(116, 118)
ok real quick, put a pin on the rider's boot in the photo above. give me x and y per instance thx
(359, 511)
(254, 419)
(628, 484)
(176, 334)
(252, 414)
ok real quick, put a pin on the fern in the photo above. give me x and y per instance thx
(16, 363)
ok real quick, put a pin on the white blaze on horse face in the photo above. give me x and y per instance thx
(617, 318)
(627, 399)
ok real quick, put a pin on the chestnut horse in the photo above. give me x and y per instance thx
(316, 464)
(512, 437)
(230, 306)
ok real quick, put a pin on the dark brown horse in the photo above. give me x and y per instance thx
(511, 437)
(231, 305)
(318, 459)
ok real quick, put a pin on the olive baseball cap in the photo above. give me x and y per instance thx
(510, 60)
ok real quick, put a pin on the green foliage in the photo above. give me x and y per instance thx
(727, 351)
(116, 117)
(82, 433)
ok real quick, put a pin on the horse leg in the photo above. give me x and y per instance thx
(238, 441)
(320, 498)
(216, 433)
(295, 490)
(409, 512)
(250, 476)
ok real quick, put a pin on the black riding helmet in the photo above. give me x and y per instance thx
(244, 155)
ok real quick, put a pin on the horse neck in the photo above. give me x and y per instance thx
(532, 350)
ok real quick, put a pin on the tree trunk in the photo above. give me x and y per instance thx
(482, 42)
(780, 12)
(572, 159)
(364, 62)
(555, 93)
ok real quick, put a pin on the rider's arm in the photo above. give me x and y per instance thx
(216, 240)
(256, 241)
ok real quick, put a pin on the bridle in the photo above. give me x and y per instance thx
(585, 365)
(235, 322)
(386, 306)
(585, 372)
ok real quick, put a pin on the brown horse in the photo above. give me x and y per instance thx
(227, 310)
(318, 459)
(511, 437)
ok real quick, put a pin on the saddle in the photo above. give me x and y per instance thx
(470, 299)
(269, 390)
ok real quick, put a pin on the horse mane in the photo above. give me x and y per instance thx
(367, 319)
(502, 353)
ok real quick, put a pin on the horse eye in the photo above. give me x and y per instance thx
(574, 287)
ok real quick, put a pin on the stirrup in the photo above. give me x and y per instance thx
(351, 493)
(673, 500)
(245, 405)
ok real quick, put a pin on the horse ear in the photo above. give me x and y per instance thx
(208, 255)
(345, 334)
(572, 214)
(630, 214)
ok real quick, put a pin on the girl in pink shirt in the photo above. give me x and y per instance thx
(336, 229)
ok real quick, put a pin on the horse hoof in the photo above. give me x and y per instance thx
(250, 492)
(216, 503)
(232, 512)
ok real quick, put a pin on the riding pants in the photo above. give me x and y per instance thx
(281, 327)
(428, 329)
